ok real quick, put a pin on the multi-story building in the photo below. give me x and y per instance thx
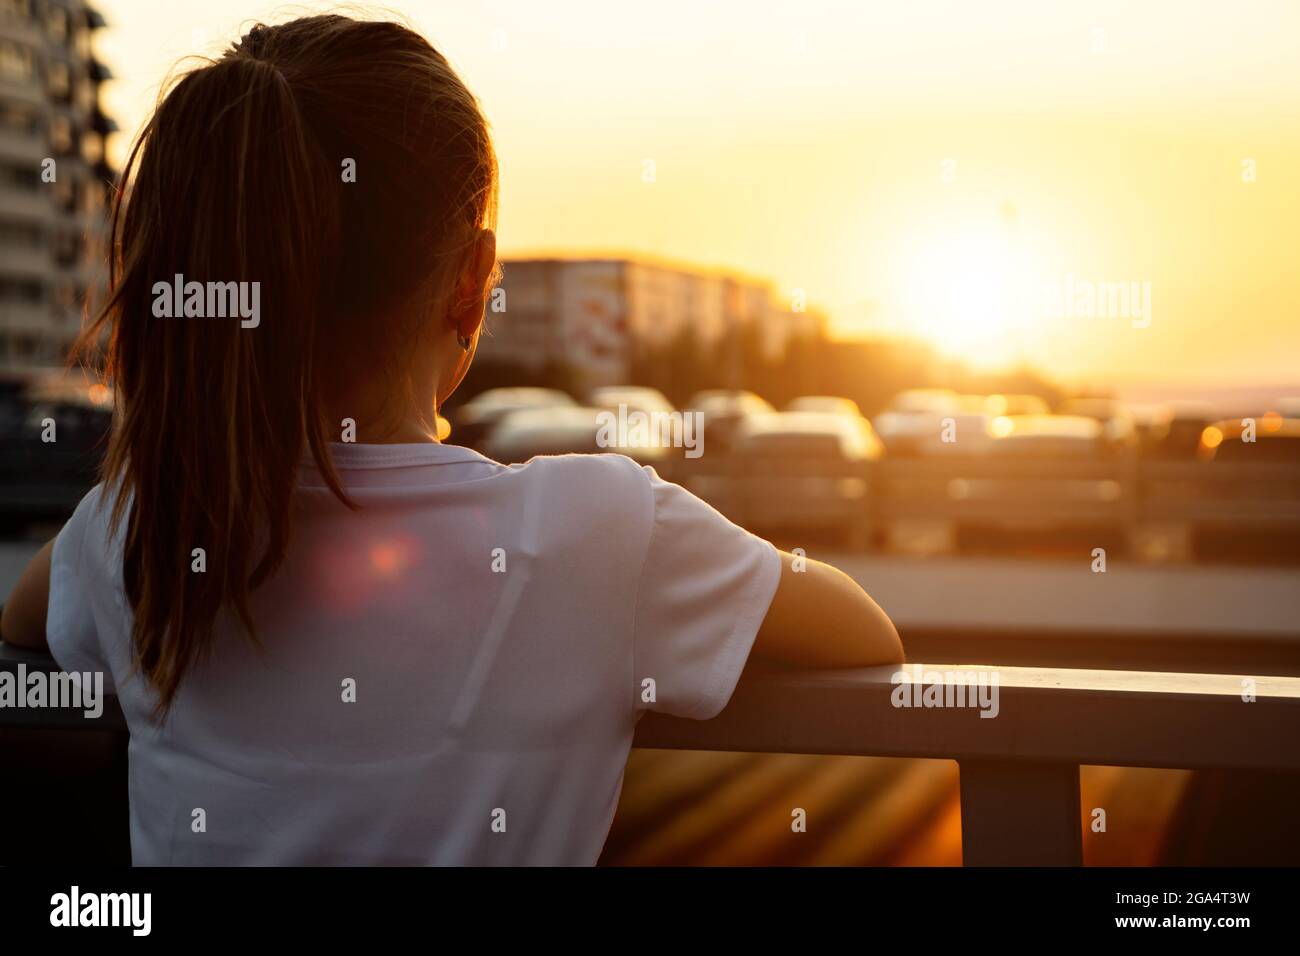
(593, 314)
(54, 177)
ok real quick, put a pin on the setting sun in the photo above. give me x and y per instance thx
(972, 293)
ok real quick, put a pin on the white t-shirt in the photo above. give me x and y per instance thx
(497, 628)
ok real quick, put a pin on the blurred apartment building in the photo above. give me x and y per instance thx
(596, 314)
(54, 176)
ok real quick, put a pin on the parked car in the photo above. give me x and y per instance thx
(828, 404)
(1151, 423)
(1288, 406)
(13, 399)
(557, 430)
(1048, 436)
(1182, 434)
(1051, 479)
(1015, 404)
(1276, 441)
(473, 421)
(723, 410)
(1116, 421)
(924, 400)
(53, 430)
(806, 472)
(635, 397)
(927, 434)
(925, 422)
(1250, 507)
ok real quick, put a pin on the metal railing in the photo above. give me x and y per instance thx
(1019, 770)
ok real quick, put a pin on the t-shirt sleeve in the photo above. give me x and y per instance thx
(70, 623)
(704, 590)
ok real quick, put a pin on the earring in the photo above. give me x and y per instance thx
(463, 341)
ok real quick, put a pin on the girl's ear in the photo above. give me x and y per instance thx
(472, 289)
(485, 259)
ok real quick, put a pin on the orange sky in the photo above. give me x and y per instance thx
(920, 168)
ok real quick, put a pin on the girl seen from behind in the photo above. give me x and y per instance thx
(390, 650)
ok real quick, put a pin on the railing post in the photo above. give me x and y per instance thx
(1020, 814)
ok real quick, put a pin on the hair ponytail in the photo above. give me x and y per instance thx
(236, 180)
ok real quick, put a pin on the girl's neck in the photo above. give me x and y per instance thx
(407, 433)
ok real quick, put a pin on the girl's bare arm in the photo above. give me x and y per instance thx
(23, 620)
(821, 617)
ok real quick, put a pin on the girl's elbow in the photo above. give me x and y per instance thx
(894, 653)
(18, 631)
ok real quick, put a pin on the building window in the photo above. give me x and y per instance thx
(19, 9)
(92, 147)
(24, 177)
(67, 251)
(60, 134)
(89, 199)
(21, 234)
(19, 119)
(27, 291)
(56, 24)
(59, 77)
(16, 61)
(65, 195)
(85, 95)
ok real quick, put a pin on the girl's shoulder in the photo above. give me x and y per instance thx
(91, 536)
(594, 483)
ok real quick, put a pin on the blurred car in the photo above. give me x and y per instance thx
(650, 419)
(634, 397)
(1288, 406)
(934, 400)
(1252, 510)
(1053, 478)
(925, 422)
(828, 404)
(723, 411)
(973, 402)
(1015, 404)
(1182, 434)
(1151, 423)
(558, 430)
(927, 434)
(1048, 436)
(473, 421)
(53, 431)
(806, 472)
(1276, 441)
(13, 399)
(1116, 421)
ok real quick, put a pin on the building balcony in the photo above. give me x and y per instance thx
(31, 317)
(26, 204)
(27, 262)
(21, 30)
(24, 148)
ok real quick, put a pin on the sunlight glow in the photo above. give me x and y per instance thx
(974, 293)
